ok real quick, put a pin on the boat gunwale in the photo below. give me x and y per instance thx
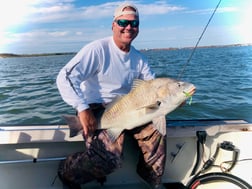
(60, 133)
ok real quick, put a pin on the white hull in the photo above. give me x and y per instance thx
(29, 155)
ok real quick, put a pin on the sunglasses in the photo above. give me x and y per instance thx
(125, 23)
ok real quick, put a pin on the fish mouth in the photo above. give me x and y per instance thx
(190, 92)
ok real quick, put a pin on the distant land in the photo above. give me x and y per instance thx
(9, 55)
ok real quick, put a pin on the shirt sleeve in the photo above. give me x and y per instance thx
(77, 70)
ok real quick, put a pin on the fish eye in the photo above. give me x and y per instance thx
(179, 85)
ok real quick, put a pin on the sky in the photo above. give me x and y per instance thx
(49, 26)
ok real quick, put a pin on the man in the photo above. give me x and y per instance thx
(98, 73)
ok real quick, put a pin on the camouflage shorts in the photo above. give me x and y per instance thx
(102, 157)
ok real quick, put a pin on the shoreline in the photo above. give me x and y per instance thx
(12, 55)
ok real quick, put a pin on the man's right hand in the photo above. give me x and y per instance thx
(88, 122)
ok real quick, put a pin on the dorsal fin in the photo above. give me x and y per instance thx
(136, 83)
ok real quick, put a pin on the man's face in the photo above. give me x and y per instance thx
(125, 35)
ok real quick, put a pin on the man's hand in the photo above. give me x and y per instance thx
(88, 122)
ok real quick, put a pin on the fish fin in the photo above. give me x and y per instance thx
(74, 125)
(151, 106)
(155, 105)
(114, 133)
(160, 124)
(136, 83)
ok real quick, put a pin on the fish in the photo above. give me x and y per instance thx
(148, 101)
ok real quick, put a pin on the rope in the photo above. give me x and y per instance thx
(194, 49)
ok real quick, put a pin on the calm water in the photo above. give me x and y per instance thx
(223, 77)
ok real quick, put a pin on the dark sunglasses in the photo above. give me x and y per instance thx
(125, 23)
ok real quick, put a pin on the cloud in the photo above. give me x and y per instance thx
(210, 11)
(48, 23)
(158, 8)
(70, 39)
(50, 13)
(64, 11)
(98, 11)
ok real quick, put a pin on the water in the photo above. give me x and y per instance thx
(223, 77)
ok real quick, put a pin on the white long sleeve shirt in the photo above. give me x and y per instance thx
(99, 72)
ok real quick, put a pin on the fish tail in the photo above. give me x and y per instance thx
(74, 125)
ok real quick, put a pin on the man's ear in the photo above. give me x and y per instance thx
(112, 25)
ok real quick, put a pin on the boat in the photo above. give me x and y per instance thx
(29, 156)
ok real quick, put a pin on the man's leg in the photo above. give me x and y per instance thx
(151, 163)
(101, 158)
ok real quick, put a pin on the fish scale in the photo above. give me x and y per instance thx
(124, 104)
